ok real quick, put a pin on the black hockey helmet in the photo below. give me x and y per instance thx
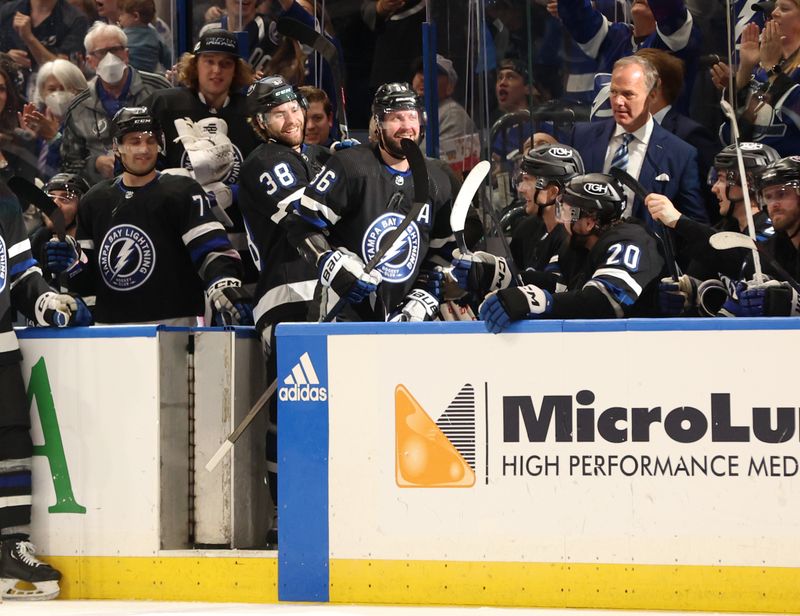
(754, 155)
(596, 193)
(71, 183)
(269, 92)
(555, 163)
(394, 96)
(135, 120)
(785, 171)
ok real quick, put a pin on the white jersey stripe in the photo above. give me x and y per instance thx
(8, 342)
(313, 204)
(619, 274)
(19, 248)
(201, 230)
(15, 501)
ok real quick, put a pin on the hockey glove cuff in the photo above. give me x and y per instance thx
(230, 304)
(419, 306)
(480, 272)
(61, 310)
(711, 296)
(344, 273)
(344, 144)
(675, 298)
(502, 308)
(769, 299)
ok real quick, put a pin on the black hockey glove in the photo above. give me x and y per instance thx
(230, 305)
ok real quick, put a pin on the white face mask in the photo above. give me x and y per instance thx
(57, 102)
(111, 69)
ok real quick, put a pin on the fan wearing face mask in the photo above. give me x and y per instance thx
(86, 145)
(57, 84)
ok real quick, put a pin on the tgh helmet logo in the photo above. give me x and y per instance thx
(595, 189)
(560, 152)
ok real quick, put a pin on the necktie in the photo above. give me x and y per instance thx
(621, 157)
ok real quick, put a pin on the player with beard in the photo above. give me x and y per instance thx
(343, 216)
(273, 178)
(148, 244)
(611, 266)
(779, 191)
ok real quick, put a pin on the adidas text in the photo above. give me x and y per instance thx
(303, 393)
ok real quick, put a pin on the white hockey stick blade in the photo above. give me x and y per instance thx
(725, 240)
(458, 215)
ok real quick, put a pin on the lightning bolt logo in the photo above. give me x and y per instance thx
(396, 248)
(123, 256)
(401, 259)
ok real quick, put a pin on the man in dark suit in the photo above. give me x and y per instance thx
(670, 81)
(633, 141)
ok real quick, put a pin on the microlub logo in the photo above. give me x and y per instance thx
(302, 385)
(438, 454)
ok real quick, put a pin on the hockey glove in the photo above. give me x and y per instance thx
(675, 298)
(432, 281)
(770, 299)
(344, 273)
(344, 144)
(503, 307)
(480, 272)
(208, 147)
(711, 296)
(61, 310)
(62, 256)
(230, 305)
(419, 306)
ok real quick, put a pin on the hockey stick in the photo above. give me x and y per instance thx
(27, 192)
(306, 35)
(666, 239)
(419, 171)
(727, 109)
(726, 240)
(458, 215)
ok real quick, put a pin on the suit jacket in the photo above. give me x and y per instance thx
(666, 155)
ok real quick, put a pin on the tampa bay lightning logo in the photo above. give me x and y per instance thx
(400, 261)
(3, 264)
(232, 176)
(127, 257)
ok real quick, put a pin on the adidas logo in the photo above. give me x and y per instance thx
(302, 385)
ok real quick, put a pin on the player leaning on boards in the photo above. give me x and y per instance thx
(273, 178)
(343, 216)
(148, 244)
(611, 267)
(23, 288)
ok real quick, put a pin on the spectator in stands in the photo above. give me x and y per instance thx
(319, 116)
(86, 145)
(110, 11)
(147, 50)
(16, 150)
(670, 82)
(454, 121)
(767, 80)
(33, 32)
(87, 7)
(57, 84)
(661, 162)
(665, 24)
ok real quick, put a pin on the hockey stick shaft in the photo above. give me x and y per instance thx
(728, 240)
(666, 237)
(227, 444)
(458, 215)
(419, 171)
(306, 35)
(28, 192)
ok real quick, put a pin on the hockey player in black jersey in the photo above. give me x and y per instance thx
(710, 274)
(205, 126)
(538, 238)
(273, 178)
(343, 216)
(611, 267)
(22, 288)
(148, 245)
(779, 192)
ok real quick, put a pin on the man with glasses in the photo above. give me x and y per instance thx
(148, 244)
(343, 216)
(611, 266)
(86, 144)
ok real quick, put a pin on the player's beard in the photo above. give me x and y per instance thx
(392, 144)
(291, 142)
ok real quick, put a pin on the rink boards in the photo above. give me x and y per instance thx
(627, 464)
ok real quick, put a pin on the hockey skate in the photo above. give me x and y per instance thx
(23, 576)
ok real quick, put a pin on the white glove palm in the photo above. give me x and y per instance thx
(208, 147)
